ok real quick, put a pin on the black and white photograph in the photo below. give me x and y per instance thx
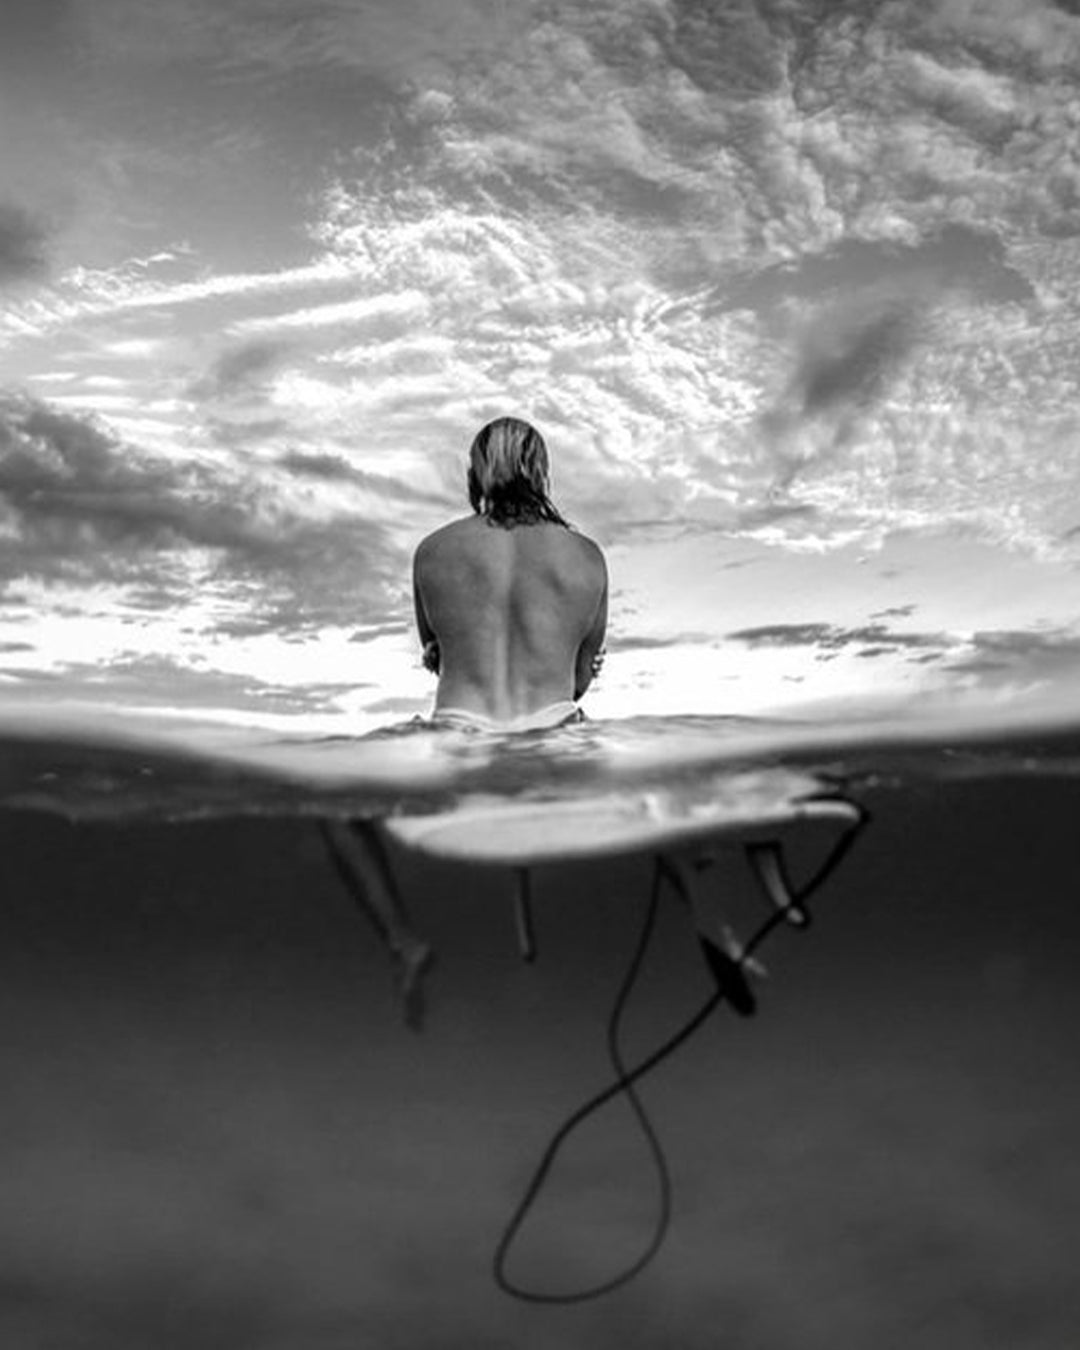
(540, 674)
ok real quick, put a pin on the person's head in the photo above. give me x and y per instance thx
(509, 474)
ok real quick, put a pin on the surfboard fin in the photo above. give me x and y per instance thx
(523, 919)
(729, 967)
(768, 864)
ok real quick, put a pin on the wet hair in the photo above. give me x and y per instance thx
(508, 475)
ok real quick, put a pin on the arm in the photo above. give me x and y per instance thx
(590, 653)
(428, 640)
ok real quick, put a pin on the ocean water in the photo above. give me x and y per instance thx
(86, 768)
(218, 1133)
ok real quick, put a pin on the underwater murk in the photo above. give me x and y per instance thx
(218, 1133)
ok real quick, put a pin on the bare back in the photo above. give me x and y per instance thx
(518, 614)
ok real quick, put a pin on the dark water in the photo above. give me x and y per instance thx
(216, 1132)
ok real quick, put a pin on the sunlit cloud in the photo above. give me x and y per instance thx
(83, 295)
(406, 308)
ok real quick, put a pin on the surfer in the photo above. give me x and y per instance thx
(511, 609)
(511, 602)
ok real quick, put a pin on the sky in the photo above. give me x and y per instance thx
(787, 286)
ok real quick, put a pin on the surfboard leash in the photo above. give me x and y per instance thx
(793, 911)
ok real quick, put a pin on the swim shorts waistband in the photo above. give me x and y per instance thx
(543, 719)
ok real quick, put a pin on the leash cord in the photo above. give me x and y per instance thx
(625, 1085)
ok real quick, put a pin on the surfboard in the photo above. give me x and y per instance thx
(755, 811)
(730, 809)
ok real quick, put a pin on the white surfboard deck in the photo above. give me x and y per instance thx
(736, 809)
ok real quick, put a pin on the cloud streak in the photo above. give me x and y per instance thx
(873, 639)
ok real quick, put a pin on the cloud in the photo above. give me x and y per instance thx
(1040, 36)
(1022, 653)
(399, 706)
(382, 313)
(957, 258)
(70, 482)
(157, 285)
(874, 639)
(703, 392)
(785, 634)
(246, 431)
(83, 506)
(141, 681)
(328, 468)
(246, 368)
(992, 658)
(335, 469)
(23, 241)
(858, 204)
(846, 358)
(687, 115)
(634, 643)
